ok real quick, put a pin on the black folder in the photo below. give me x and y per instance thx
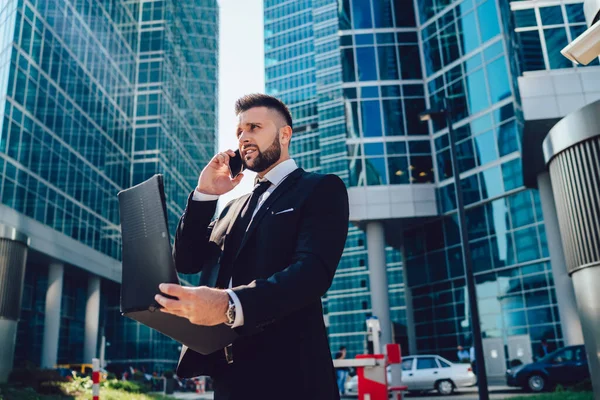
(148, 262)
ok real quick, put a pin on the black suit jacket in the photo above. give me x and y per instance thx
(280, 272)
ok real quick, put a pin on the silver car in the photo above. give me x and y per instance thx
(432, 372)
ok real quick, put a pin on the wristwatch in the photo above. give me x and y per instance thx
(230, 313)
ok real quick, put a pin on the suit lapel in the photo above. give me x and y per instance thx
(262, 211)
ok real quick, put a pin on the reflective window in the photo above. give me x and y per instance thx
(361, 13)
(392, 115)
(388, 63)
(476, 91)
(488, 20)
(371, 119)
(485, 148)
(491, 183)
(575, 13)
(367, 67)
(348, 65)
(382, 12)
(467, 26)
(344, 15)
(524, 18)
(498, 80)
(556, 38)
(551, 15)
(375, 171)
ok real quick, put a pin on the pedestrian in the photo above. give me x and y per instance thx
(462, 354)
(265, 263)
(544, 349)
(342, 372)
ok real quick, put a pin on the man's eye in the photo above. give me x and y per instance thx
(253, 126)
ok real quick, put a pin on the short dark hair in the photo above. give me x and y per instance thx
(342, 348)
(263, 100)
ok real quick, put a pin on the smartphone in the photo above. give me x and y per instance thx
(236, 166)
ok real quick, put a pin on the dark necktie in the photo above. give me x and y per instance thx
(239, 230)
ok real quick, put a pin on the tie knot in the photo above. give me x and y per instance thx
(261, 185)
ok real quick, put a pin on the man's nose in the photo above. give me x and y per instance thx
(243, 138)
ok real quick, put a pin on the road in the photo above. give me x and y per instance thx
(496, 392)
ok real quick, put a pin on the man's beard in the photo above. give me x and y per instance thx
(265, 159)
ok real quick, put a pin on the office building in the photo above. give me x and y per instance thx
(367, 69)
(94, 97)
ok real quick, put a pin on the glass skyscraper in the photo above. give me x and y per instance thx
(367, 68)
(95, 97)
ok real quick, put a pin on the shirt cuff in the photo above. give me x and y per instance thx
(239, 312)
(204, 197)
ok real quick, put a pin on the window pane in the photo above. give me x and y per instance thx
(399, 172)
(477, 92)
(431, 51)
(491, 182)
(361, 11)
(366, 64)
(556, 38)
(371, 119)
(404, 13)
(348, 65)
(527, 245)
(426, 363)
(532, 58)
(414, 125)
(344, 14)
(407, 364)
(388, 63)
(422, 169)
(488, 20)
(498, 80)
(525, 18)
(375, 170)
(469, 37)
(352, 126)
(551, 15)
(392, 115)
(382, 10)
(410, 62)
(485, 148)
(575, 12)
(508, 139)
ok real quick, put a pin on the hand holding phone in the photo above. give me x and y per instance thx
(236, 166)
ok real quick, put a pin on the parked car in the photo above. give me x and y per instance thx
(426, 373)
(566, 366)
(432, 372)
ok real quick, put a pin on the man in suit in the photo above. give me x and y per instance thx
(264, 265)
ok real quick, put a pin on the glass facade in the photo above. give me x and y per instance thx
(542, 31)
(96, 96)
(374, 66)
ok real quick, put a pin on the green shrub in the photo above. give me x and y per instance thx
(126, 386)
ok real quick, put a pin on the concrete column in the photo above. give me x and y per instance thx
(52, 315)
(92, 317)
(13, 257)
(563, 285)
(410, 317)
(380, 301)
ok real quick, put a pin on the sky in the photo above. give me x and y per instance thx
(241, 71)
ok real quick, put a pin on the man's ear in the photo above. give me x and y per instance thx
(285, 135)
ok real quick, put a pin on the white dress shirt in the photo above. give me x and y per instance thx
(275, 176)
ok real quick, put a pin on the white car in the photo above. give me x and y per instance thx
(425, 373)
(432, 372)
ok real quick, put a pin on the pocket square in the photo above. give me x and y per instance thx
(282, 212)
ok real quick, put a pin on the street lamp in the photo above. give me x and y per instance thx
(482, 383)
